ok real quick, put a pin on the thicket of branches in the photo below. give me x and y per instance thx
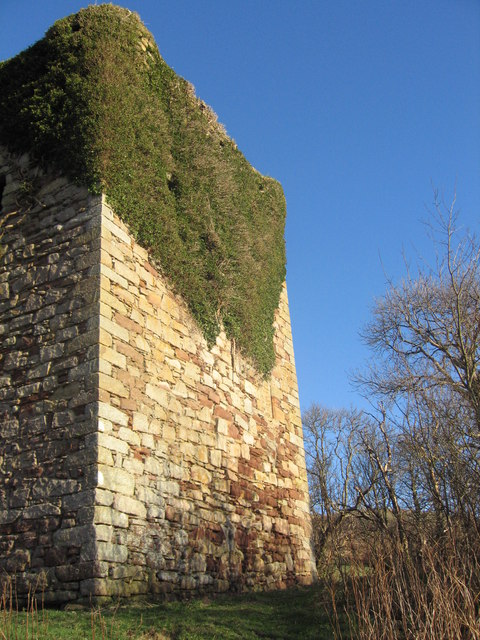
(395, 492)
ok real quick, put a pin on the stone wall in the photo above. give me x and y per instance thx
(201, 461)
(49, 284)
(134, 459)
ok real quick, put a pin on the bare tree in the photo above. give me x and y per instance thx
(425, 338)
(404, 479)
(329, 443)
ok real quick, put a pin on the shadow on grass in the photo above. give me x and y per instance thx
(283, 615)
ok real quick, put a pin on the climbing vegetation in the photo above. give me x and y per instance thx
(95, 100)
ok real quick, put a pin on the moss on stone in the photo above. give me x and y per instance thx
(94, 100)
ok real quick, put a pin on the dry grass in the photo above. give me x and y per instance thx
(32, 625)
(398, 597)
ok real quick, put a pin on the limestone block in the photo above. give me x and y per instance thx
(113, 302)
(147, 441)
(8, 516)
(103, 497)
(142, 344)
(154, 466)
(78, 500)
(215, 457)
(46, 488)
(40, 511)
(103, 532)
(80, 571)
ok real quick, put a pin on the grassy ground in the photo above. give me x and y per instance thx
(286, 615)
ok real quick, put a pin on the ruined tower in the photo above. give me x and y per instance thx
(150, 432)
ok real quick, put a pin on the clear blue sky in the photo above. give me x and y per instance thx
(357, 108)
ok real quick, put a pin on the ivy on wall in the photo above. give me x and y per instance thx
(94, 100)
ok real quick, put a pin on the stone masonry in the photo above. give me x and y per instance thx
(134, 459)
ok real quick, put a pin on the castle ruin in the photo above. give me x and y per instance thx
(137, 457)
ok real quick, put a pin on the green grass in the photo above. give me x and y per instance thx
(94, 99)
(284, 615)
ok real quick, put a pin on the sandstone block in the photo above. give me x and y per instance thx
(160, 395)
(4, 291)
(74, 536)
(201, 475)
(222, 426)
(130, 436)
(112, 443)
(109, 516)
(111, 552)
(116, 480)
(112, 414)
(129, 505)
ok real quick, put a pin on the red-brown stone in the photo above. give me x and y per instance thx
(233, 431)
(220, 412)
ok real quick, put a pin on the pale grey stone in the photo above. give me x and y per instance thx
(129, 505)
(112, 552)
(109, 516)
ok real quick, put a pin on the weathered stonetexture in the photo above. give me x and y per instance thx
(50, 234)
(135, 460)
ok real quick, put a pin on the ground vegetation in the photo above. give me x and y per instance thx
(283, 615)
